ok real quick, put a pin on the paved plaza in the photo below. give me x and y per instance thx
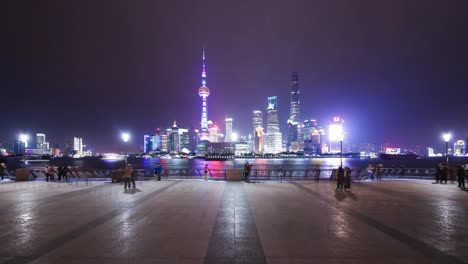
(193, 221)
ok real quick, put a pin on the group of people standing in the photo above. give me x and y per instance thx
(343, 178)
(375, 170)
(61, 172)
(443, 173)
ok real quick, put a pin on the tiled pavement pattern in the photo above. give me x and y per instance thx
(194, 221)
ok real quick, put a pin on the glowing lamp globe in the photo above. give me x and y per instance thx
(125, 137)
(203, 91)
(447, 137)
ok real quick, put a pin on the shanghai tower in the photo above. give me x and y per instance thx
(294, 113)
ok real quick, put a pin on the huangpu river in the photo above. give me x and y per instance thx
(293, 163)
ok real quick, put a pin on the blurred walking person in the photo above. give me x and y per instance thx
(247, 168)
(438, 173)
(444, 174)
(371, 170)
(379, 171)
(127, 175)
(50, 172)
(157, 171)
(3, 169)
(207, 171)
(339, 179)
(461, 174)
(347, 178)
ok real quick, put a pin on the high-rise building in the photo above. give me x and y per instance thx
(294, 112)
(174, 139)
(19, 147)
(228, 136)
(258, 138)
(273, 138)
(204, 92)
(41, 142)
(152, 143)
(459, 148)
(213, 132)
(164, 142)
(193, 139)
(184, 140)
(78, 146)
(336, 134)
(314, 137)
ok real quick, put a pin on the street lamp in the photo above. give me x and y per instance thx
(24, 138)
(125, 138)
(447, 137)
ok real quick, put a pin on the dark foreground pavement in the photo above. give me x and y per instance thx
(194, 221)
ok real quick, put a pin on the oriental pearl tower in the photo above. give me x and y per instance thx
(204, 92)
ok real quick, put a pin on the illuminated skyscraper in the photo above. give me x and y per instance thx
(213, 132)
(228, 136)
(336, 133)
(78, 146)
(204, 92)
(273, 138)
(41, 142)
(258, 140)
(294, 112)
(174, 139)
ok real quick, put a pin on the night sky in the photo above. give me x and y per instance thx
(395, 70)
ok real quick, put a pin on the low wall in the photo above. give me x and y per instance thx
(22, 175)
(234, 175)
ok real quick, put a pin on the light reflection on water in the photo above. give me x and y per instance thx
(293, 163)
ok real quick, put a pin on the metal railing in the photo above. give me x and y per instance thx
(276, 174)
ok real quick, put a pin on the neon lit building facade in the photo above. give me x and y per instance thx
(294, 112)
(273, 138)
(204, 92)
(228, 136)
(259, 139)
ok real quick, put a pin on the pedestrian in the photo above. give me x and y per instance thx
(461, 174)
(207, 171)
(60, 173)
(347, 178)
(133, 177)
(438, 173)
(127, 175)
(379, 171)
(157, 171)
(371, 170)
(3, 169)
(247, 172)
(65, 171)
(339, 178)
(445, 172)
(50, 172)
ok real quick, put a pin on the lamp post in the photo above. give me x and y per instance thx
(24, 138)
(447, 137)
(125, 138)
(341, 152)
(336, 134)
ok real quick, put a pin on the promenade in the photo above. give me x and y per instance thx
(193, 221)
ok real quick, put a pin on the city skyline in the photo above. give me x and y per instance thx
(88, 73)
